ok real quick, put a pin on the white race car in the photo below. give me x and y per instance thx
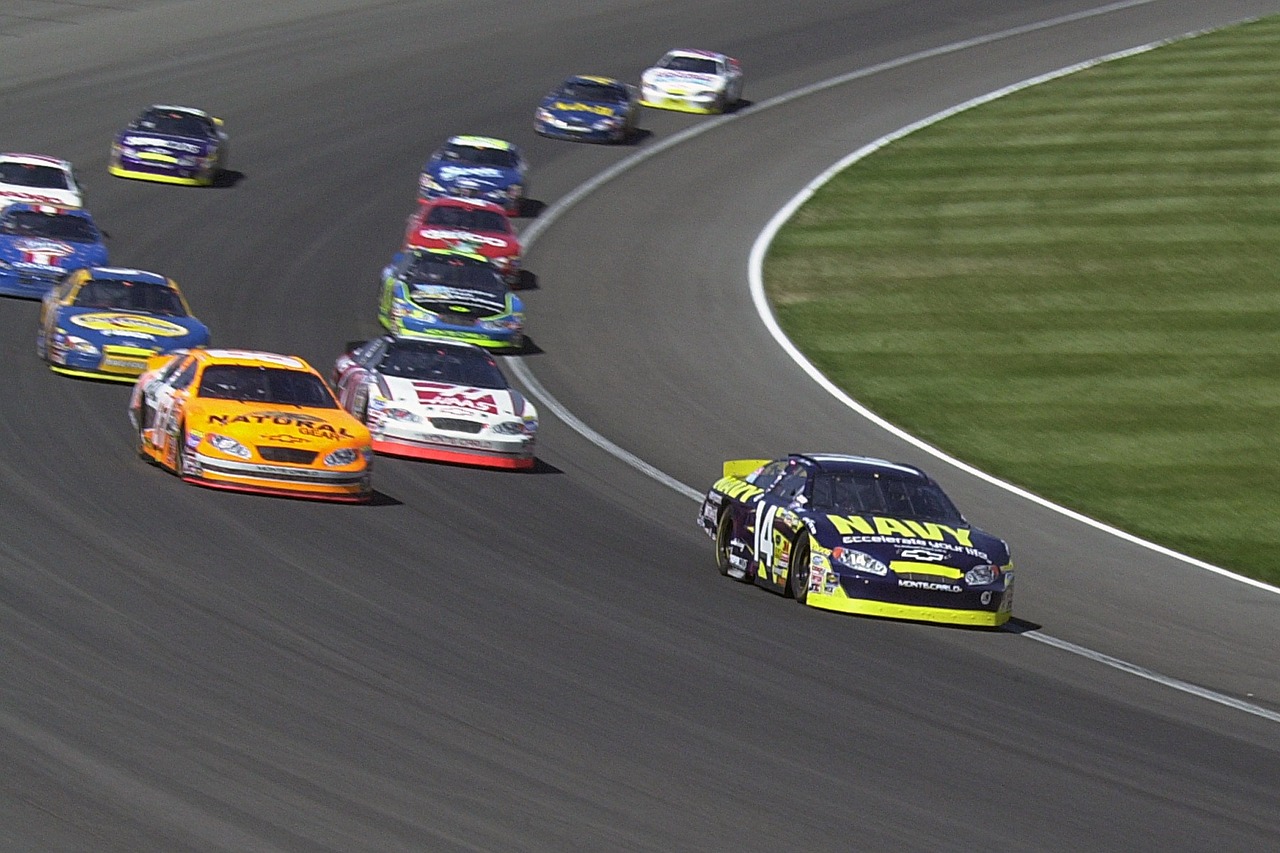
(437, 399)
(37, 179)
(692, 81)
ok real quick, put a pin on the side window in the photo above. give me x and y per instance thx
(792, 484)
(185, 376)
(371, 352)
(768, 475)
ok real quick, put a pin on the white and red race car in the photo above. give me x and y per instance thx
(437, 399)
(470, 225)
(692, 81)
(37, 179)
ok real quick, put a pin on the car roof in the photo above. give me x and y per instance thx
(481, 142)
(846, 462)
(177, 109)
(55, 209)
(251, 358)
(35, 159)
(125, 274)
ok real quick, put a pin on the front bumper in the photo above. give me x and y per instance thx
(165, 173)
(119, 364)
(660, 100)
(578, 133)
(397, 439)
(493, 339)
(345, 485)
(874, 597)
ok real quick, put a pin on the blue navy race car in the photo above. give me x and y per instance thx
(857, 535)
(170, 144)
(476, 167)
(105, 322)
(590, 109)
(40, 244)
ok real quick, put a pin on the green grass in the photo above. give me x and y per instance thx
(1076, 288)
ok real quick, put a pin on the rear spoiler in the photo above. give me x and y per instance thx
(740, 468)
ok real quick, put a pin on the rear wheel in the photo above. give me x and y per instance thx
(798, 570)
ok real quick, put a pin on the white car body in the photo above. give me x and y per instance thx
(698, 81)
(14, 187)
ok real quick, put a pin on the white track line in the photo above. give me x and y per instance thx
(756, 283)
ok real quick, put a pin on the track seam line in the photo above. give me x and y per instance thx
(756, 284)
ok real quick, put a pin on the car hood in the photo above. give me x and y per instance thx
(457, 301)
(905, 544)
(165, 143)
(490, 244)
(677, 79)
(454, 174)
(584, 110)
(42, 253)
(456, 401)
(127, 328)
(276, 424)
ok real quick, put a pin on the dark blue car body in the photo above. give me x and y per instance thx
(476, 167)
(40, 244)
(588, 109)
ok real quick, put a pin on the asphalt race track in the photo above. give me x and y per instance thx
(549, 661)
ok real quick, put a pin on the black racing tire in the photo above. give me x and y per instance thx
(142, 424)
(724, 535)
(179, 457)
(798, 570)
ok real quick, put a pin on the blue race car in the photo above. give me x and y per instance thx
(456, 295)
(105, 322)
(40, 244)
(589, 109)
(173, 145)
(857, 535)
(476, 167)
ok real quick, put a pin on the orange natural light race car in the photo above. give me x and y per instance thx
(250, 421)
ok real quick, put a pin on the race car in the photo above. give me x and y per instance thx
(470, 225)
(857, 535)
(172, 145)
(589, 109)
(442, 293)
(106, 322)
(251, 422)
(692, 81)
(41, 243)
(437, 400)
(37, 179)
(476, 167)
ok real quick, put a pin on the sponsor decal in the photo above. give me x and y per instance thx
(451, 396)
(449, 173)
(126, 324)
(932, 586)
(153, 142)
(304, 424)
(985, 598)
(894, 527)
(285, 438)
(44, 253)
(923, 555)
(578, 107)
(468, 236)
(737, 489)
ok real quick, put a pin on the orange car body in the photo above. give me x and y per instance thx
(250, 421)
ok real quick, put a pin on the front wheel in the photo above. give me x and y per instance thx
(798, 570)
(141, 445)
(180, 454)
(724, 545)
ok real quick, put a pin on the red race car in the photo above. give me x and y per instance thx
(471, 225)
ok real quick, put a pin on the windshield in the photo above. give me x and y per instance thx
(174, 123)
(473, 156)
(265, 385)
(33, 175)
(582, 91)
(54, 226)
(864, 492)
(692, 64)
(434, 363)
(468, 218)
(455, 272)
(123, 295)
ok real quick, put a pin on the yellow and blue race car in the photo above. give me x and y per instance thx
(857, 535)
(589, 109)
(105, 322)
